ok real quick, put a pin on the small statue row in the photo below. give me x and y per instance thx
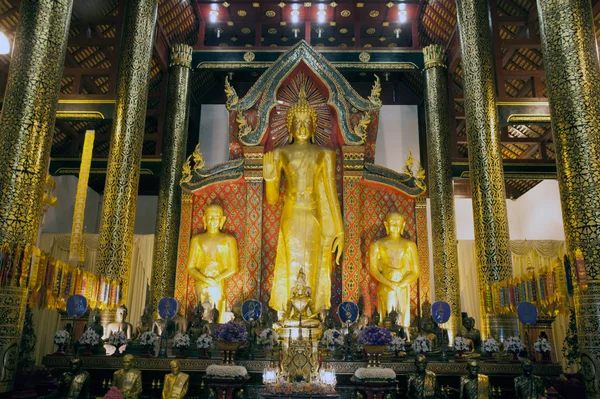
(423, 383)
(74, 384)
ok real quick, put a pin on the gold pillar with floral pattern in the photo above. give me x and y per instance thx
(443, 226)
(28, 114)
(123, 170)
(169, 195)
(572, 76)
(485, 160)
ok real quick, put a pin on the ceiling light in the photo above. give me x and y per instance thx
(321, 16)
(402, 16)
(397, 31)
(213, 15)
(296, 31)
(295, 16)
(219, 31)
(320, 31)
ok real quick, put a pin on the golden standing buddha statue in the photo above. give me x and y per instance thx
(393, 262)
(213, 258)
(311, 226)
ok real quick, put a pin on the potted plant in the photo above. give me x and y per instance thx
(228, 338)
(460, 345)
(490, 346)
(204, 342)
(374, 340)
(513, 345)
(61, 339)
(117, 339)
(267, 338)
(181, 341)
(149, 340)
(421, 345)
(89, 338)
(543, 347)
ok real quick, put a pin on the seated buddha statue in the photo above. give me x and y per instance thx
(120, 324)
(472, 334)
(145, 323)
(427, 326)
(299, 310)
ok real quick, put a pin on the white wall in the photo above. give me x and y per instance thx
(398, 133)
(60, 218)
(214, 133)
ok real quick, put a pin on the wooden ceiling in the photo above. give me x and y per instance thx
(95, 32)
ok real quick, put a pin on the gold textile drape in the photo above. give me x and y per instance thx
(538, 253)
(46, 322)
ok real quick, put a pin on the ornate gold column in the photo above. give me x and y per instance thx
(441, 194)
(169, 196)
(572, 76)
(485, 160)
(26, 130)
(123, 170)
(28, 114)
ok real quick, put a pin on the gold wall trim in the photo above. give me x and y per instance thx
(392, 66)
(528, 118)
(526, 103)
(97, 115)
(84, 101)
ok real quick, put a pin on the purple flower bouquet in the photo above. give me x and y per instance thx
(374, 335)
(230, 332)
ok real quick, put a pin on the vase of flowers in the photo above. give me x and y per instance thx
(181, 341)
(267, 338)
(490, 346)
(61, 339)
(332, 338)
(149, 340)
(543, 347)
(374, 341)
(89, 338)
(513, 345)
(421, 344)
(460, 346)
(117, 339)
(204, 342)
(398, 345)
(228, 338)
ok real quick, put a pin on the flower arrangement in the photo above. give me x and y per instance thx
(542, 346)
(224, 371)
(230, 332)
(181, 341)
(148, 338)
(332, 337)
(374, 335)
(204, 341)
(374, 374)
(267, 337)
(421, 345)
(513, 345)
(398, 344)
(460, 344)
(490, 345)
(89, 337)
(117, 339)
(113, 393)
(61, 337)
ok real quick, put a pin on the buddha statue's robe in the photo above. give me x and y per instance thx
(129, 383)
(421, 386)
(474, 388)
(175, 386)
(529, 387)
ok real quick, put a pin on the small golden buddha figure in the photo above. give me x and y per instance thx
(393, 262)
(145, 323)
(179, 322)
(472, 334)
(311, 226)
(128, 379)
(213, 319)
(73, 384)
(299, 310)
(423, 383)
(176, 383)
(96, 326)
(120, 324)
(527, 385)
(474, 385)
(213, 258)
